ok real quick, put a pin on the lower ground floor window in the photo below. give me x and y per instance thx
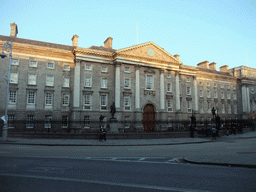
(30, 121)
(10, 121)
(64, 123)
(86, 121)
(48, 119)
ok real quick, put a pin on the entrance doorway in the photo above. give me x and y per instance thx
(149, 118)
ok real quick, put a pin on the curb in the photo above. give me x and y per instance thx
(220, 164)
(110, 145)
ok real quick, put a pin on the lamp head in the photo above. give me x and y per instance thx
(3, 55)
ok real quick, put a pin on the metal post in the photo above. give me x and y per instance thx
(8, 48)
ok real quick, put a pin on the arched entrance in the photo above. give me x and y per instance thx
(149, 118)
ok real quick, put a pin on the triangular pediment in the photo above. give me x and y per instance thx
(147, 52)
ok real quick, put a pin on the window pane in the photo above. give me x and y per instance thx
(31, 97)
(149, 81)
(48, 99)
(12, 97)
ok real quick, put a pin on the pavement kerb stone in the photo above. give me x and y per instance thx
(107, 145)
(186, 159)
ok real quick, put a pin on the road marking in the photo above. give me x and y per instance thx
(105, 183)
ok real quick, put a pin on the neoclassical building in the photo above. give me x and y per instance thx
(74, 86)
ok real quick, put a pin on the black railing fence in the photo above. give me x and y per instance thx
(53, 126)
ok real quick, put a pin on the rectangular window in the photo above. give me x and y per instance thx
(201, 106)
(66, 68)
(12, 97)
(14, 78)
(149, 82)
(65, 101)
(103, 102)
(222, 95)
(48, 121)
(87, 101)
(126, 83)
(229, 108)
(208, 94)
(30, 121)
(228, 86)
(33, 64)
(15, 62)
(48, 98)
(88, 67)
(10, 121)
(200, 93)
(235, 108)
(66, 82)
(127, 69)
(215, 84)
(223, 108)
(31, 97)
(188, 91)
(86, 121)
(50, 80)
(103, 83)
(64, 122)
(88, 82)
(50, 65)
(104, 69)
(234, 95)
(209, 106)
(169, 87)
(189, 103)
(228, 95)
(127, 103)
(215, 94)
(31, 79)
(169, 104)
(188, 79)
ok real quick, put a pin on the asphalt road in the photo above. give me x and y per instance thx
(59, 174)
(123, 168)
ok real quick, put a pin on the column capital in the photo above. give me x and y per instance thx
(194, 77)
(118, 64)
(161, 70)
(137, 67)
(78, 60)
(177, 73)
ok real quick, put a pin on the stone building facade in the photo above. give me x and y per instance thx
(75, 86)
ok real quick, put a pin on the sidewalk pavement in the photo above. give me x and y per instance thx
(243, 160)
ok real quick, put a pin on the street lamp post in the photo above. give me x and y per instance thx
(8, 48)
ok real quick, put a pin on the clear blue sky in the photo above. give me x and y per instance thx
(220, 31)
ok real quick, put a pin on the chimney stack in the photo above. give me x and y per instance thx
(224, 68)
(75, 40)
(14, 30)
(108, 42)
(212, 66)
(176, 56)
(203, 65)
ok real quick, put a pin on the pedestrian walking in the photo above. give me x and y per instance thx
(227, 129)
(102, 133)
(214, 130)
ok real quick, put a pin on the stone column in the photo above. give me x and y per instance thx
(76, 95)
(137, 88)
(196, 95)
(77, 75)
(248, 100)
(177, 91)
(162, 100)
(244, 98)
(117, 86)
